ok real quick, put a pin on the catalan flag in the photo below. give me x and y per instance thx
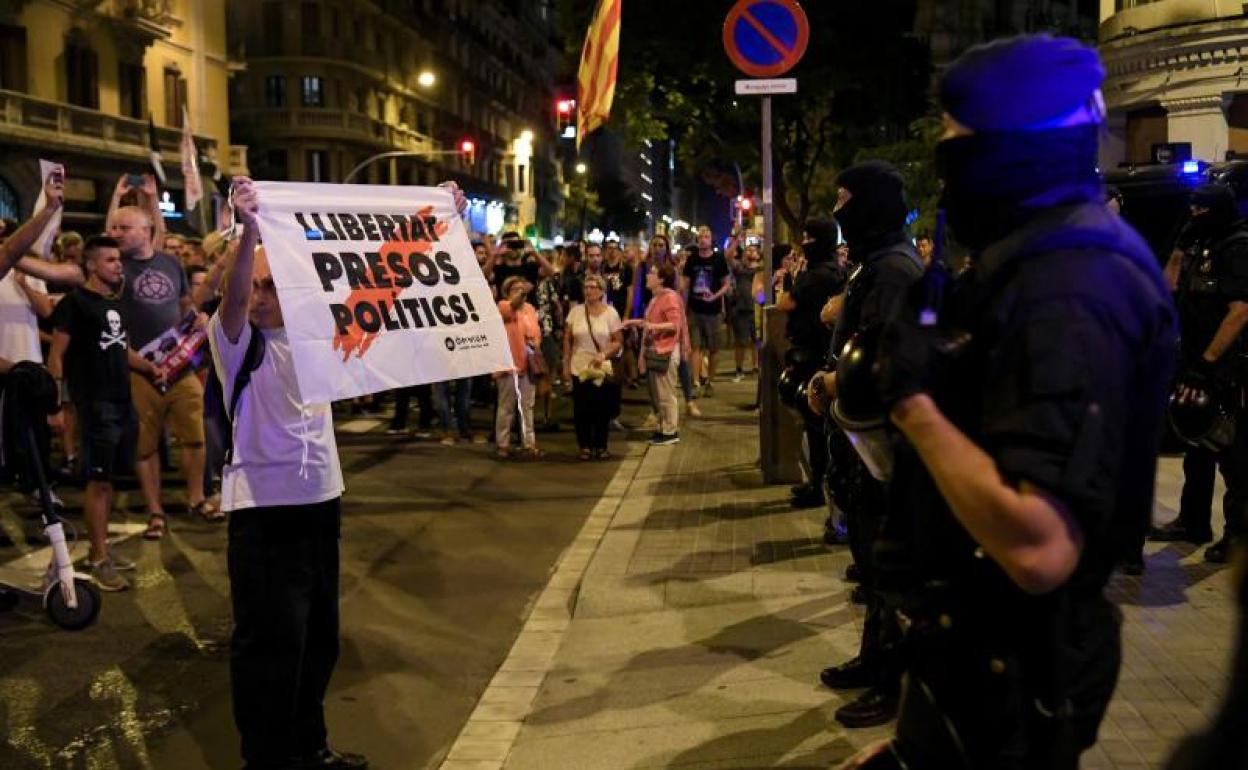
(595, 82)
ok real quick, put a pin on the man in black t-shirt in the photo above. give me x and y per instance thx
(91, 341)
(706, 280)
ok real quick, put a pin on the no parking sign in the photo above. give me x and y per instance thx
(766, 38)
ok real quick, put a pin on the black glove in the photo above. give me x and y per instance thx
(1199, 374)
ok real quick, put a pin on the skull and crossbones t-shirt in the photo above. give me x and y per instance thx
(96, 363)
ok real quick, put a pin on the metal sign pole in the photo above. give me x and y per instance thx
(768, 232)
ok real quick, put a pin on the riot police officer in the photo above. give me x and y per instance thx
(808, 339)
(1213, 310)
(871, 210)
(1031, 401)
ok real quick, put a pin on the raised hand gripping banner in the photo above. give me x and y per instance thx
(379, 288)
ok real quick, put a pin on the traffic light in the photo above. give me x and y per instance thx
(745, 211)
(468, 149)
(565, 120)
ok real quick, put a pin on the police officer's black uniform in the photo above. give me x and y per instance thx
(887, 266)
(1214, 275)
(808, 338)
(1061, 382)
(1052, 354)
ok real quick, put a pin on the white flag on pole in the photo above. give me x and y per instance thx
(43, 245)
(194, 187)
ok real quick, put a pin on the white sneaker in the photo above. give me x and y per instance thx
(739, 376)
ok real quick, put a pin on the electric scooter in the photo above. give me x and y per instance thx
(71, 600)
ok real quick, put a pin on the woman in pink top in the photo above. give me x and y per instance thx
(665, 343)
(524, 335)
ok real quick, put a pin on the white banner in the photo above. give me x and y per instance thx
(43, 244)
(379, 288)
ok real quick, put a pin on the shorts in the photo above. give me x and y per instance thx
(744, 332)
(704, 331)
(181, 407)
(108, 432)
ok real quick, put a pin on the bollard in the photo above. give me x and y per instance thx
(780, 428)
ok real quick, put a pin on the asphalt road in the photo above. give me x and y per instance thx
(443, 550)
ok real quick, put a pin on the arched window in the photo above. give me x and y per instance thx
(8, 201)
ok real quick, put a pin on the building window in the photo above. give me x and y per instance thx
(313, 94)
(422, 122)
(12, 58)
(310, 14)
(271, 26)
(132, 88)
(82, 74)
(522, 175)
(275, 91)
(8, 201)
(175, 97)
(275, 164)
(318, 166)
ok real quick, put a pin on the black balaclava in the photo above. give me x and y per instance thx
(1223, 211)
(1032, 102)
(875, 214)
(822, 244)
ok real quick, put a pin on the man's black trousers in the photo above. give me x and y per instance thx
(283, 564)
(1199, 466)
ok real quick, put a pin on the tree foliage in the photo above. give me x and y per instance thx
(861, 85)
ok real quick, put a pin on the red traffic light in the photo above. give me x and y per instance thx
(746, 203)
(467, 147)
(564, 106)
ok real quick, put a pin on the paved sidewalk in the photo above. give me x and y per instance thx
(709, 606)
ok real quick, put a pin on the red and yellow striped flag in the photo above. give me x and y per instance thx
(595, 82)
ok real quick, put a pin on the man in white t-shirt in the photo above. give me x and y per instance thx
(282, 485)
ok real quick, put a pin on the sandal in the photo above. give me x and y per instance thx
(155, 526)
(586, 455)
(206, 511)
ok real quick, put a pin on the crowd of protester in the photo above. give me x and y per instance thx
(587, 323)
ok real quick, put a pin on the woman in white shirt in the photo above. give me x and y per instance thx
(591, 343)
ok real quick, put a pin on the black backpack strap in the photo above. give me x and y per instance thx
(252, 357)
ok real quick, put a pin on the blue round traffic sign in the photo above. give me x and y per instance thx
(766, 38)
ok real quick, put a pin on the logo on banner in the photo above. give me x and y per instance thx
(408, 255)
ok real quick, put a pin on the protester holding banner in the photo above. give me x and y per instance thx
(590, 347)
(516, 389)
(282, 487)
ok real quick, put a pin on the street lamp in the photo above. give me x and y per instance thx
(581, 168)
(526, 136)
(426, 78)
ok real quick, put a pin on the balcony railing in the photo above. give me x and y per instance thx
(82, 128)
(334, 124)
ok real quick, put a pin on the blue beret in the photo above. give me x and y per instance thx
(1020, 83)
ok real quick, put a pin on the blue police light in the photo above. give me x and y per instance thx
(1191, 167)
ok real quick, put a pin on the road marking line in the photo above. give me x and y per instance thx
(491, 730)
(28, 569)
(362, 425)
